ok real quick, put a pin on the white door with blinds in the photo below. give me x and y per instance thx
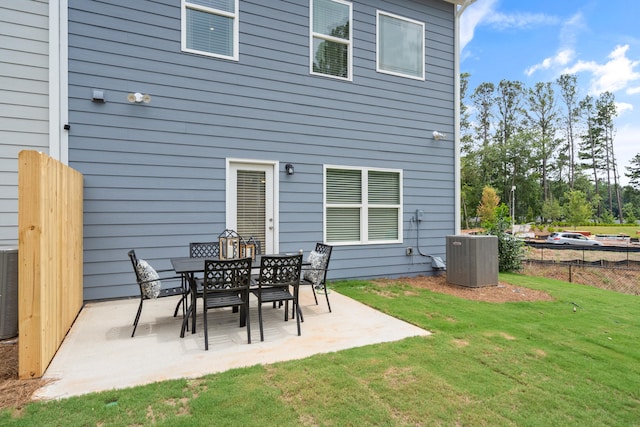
(251, 201)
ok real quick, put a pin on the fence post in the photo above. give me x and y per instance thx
(570, 274)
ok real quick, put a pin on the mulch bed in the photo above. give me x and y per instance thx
(14, 393)
(503, 292)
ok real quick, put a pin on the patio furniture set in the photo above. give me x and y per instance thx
(225, 273)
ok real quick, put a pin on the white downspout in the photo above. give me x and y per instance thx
(58, 81)
(456, 69)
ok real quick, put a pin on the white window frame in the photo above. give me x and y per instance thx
(236, 28)
(363, 206)
(378, 45)
(313, 35)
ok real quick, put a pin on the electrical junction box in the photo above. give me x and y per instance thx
(472, 261)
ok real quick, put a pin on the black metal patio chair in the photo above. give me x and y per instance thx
(315, 275)
(204, 249)
(279, 276)
(150, 284)
(226, 284)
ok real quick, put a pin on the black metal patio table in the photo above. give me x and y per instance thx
(188, 267)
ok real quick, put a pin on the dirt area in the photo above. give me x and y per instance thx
(15, 393)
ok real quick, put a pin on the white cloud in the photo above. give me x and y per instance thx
(622, 107)
(614, 75)
(570, 29)
(472, 17)
(562, 58)
(566, 52)
(484, 13)
(503, 21)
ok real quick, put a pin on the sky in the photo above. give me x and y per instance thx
(537, 41)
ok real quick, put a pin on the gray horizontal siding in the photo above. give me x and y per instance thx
(154, 174)
(24, 113)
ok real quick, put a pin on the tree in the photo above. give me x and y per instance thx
(568, 93)
(542, 116)
(551, 210)
(510, 114)
(577, 209)
(483, 102)
(634, 172)
(607, 111)
(591, 148)
(487, 208)
(630, 213)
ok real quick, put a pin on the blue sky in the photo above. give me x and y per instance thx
(537, 41)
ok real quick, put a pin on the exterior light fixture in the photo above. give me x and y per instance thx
(439, 135)
(289, 169)
(138, 97)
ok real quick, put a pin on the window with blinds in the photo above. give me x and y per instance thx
(400, 46)
(331, 40)
(251, 205)
(362, 205)
(210, 27)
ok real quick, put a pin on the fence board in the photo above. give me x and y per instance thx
(50, 258)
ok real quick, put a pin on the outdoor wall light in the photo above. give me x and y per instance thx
(138, 97)
(289, 169)
(439, 135)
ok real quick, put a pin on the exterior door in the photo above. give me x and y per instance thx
(251, 201)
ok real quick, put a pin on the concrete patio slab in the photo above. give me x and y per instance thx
(99, 354)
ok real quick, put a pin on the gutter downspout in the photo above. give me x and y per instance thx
(58, 81)
(460, 8)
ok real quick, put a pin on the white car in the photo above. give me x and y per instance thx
(568, 238)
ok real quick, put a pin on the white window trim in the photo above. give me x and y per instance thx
(364, 205)
(422, 55)
(349, 43)
(236, 28)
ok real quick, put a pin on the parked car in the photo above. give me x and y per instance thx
(565, 238)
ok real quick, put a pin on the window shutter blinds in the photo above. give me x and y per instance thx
(384, 188)
(251, 204)
(343, 187)
(208, 32)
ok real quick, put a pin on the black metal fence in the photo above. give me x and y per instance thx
(627, 256)
(615, 268)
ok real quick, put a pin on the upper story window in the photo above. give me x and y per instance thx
(400, 46)
(210, 27)
(331, 40)
(362, 205)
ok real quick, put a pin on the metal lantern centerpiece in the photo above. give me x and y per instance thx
(251, 248)
(231, 244)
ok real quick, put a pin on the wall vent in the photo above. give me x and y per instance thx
(472, 261)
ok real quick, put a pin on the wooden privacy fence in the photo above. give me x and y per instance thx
(49, 258)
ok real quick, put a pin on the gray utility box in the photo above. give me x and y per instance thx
(472, 260)
(8, 292)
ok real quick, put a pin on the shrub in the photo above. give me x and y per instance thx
(510, 249)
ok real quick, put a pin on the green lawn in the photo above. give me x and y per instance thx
(513, 364)
(629, 230)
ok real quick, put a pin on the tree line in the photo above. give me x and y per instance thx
(543, 149)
